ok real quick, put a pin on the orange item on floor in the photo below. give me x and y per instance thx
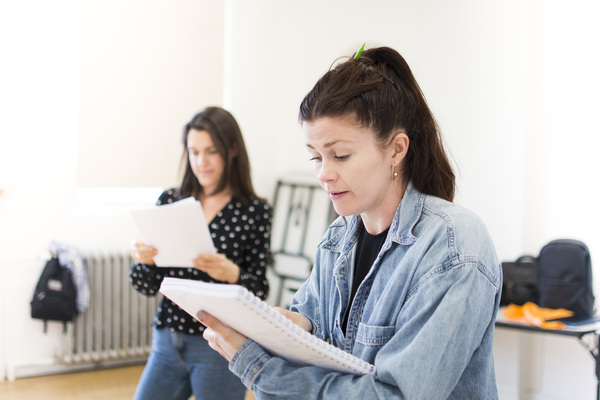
(531, 314)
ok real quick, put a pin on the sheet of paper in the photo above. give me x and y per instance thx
(178, 231)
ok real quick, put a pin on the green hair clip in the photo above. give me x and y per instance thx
(360, 51)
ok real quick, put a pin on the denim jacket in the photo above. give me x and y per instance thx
(424, 315)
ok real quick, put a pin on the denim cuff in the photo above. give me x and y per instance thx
(248, 361)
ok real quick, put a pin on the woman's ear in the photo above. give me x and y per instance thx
(399, 148)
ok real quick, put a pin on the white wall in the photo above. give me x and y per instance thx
(96, 94)
(513, 85)
(146, 68)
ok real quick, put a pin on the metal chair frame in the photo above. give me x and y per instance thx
(298, 213)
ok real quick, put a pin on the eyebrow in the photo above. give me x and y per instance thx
(329, 144)
(203, 148)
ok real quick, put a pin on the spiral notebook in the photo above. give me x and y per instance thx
(235, 306)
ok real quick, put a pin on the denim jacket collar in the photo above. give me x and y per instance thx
(400, 229)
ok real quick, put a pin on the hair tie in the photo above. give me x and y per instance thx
(360, 51)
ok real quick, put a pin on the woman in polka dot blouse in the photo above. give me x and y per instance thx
(217, 173)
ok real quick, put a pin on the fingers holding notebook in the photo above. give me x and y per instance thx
(220, 337)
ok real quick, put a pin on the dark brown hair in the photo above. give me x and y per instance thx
(227, 138)
(380, 92)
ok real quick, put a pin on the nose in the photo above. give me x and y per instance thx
(326, 172)
(200, 159)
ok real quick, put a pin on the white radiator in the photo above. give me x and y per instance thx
(116, 327)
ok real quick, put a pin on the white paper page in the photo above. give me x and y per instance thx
(178, 231)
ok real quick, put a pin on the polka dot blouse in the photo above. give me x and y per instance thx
(242, 233)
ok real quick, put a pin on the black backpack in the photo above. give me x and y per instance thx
(565, 277)
(55, 296)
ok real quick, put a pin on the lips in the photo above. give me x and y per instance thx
(336, 195)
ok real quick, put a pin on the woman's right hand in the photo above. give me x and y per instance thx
(142, 253)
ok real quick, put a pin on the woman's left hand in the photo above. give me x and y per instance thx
(221, 338)
(218, 267)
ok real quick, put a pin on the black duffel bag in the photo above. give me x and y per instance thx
(519, 281)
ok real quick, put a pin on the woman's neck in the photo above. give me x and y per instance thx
(377, 221)
(212, 204)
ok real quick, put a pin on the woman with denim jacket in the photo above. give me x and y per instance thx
(404, 279)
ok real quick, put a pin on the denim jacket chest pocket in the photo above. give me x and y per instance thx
(370, 339)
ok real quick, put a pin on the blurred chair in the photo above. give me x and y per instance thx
(302, 212)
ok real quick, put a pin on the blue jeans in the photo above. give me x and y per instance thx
(181, 365)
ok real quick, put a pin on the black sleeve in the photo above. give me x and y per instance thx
(253, 268)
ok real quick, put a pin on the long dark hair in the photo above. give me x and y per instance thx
(227, 138)
(381, 93)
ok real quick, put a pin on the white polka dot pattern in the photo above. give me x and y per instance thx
(242, 233)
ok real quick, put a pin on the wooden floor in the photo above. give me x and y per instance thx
(113, 384)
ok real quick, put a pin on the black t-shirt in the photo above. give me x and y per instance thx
(367, 248)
